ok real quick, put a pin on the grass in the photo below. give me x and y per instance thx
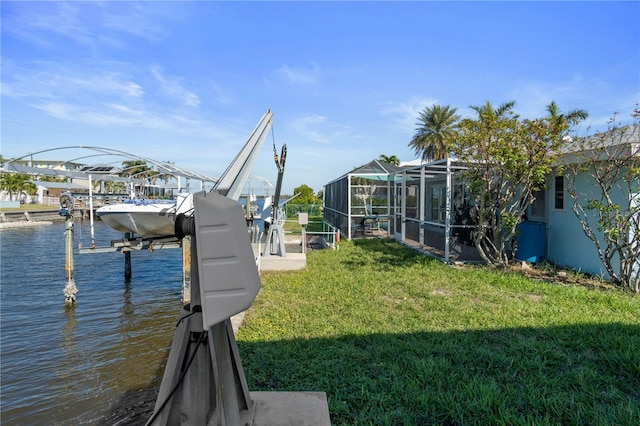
(30, 207)
(394, 337)
(291, 225)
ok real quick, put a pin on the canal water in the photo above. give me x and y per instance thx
(99, 362)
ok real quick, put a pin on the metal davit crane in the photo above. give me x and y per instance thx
(275, 236)
(204, 382)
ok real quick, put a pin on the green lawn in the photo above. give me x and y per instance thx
(30, 207)
(394, 337)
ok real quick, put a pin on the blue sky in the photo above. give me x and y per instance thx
(188, 81)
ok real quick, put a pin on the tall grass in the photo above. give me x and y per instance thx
(394, 337)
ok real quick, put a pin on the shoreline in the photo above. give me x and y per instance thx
(25, 224)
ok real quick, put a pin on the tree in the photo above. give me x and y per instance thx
(306, 195)
(509, 159)
(115, 187)
(603, 180)
(45, 178)
(137, 168)
(391, 159)
(17, 183)
(436, 128)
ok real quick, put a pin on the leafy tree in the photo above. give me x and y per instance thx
(608, 206)
(51, 179)
(391, 159)
(306, 195)
(17, 183)
(115, 187)
(436, 128)
(510, 159)
(320, 195)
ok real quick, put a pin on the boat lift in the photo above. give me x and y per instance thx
(229, 184)
(204, 382)
(275, 236)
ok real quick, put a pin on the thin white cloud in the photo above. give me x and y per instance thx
(88, 24)
(221, 95)
(405, 113)
(58, 82)
(107, 98)
(598, 96)
(315, 128)
(173, 86)
(299, 75)
(63, 19)
(138, 20)
(309, 127)
(102, 115)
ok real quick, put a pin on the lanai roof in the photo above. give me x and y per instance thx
(375, 170)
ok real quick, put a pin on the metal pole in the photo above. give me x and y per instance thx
(423, 204)
(349, 207)
(447, 220)
(403, 208)
(70, 289)
(93, 243)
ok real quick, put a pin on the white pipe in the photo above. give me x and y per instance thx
(91, 211)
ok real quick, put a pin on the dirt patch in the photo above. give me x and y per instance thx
(554, 275)
(440, 292)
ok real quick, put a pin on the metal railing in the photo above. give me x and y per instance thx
(329, 232)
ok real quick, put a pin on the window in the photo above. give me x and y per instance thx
(558, 193)
(538, 206)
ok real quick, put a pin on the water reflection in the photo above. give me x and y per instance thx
(73, 365)
(127, 306)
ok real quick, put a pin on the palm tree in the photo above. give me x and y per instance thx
(134, 167)
(487, 113)
(433, 136)
(391, 159)
(562, 122)
(17, 183)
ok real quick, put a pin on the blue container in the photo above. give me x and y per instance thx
(531, 238)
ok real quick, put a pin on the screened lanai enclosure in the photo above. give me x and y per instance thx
(432, 210)
(426, 207)
(357, 203)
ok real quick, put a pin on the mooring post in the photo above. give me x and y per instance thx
(186, 270)
(127, 260)
(66, 210)
(70, 289)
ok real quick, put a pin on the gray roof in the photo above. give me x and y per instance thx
(375, 170)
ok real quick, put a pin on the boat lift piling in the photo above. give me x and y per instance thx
(66, 210)
(127, 258)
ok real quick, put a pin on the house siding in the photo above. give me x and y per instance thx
(567, 244)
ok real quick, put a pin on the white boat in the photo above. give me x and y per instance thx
(156, 218)
(146, 218)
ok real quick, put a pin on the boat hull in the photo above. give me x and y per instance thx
(146, 221)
